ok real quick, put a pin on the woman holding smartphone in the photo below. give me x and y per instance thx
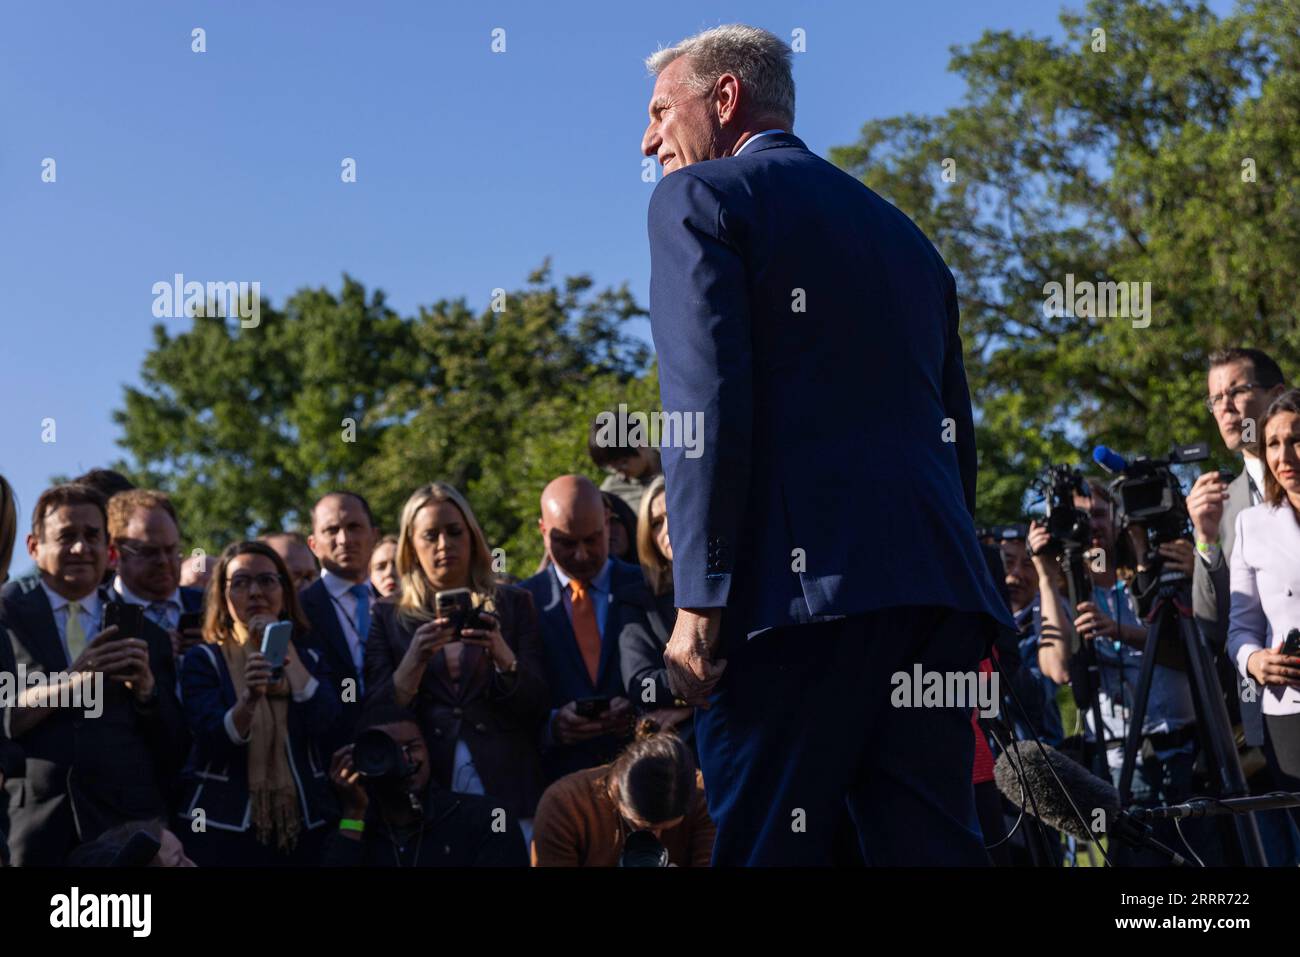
(255, 778)
(463, 652)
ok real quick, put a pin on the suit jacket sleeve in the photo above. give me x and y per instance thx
(163, 724)
(380, 661)
(1247, 625)
(204, 703)
(956, 397)
(525, 694)
(1212, 599)
(700, 319)
(641, 655)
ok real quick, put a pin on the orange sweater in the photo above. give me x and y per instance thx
(578, 825)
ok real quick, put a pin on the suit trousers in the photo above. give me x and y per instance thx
(801, 726)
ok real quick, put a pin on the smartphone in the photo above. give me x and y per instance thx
(275, 643)
(456, 605)
(591, 707)
(128, 618)
(1291, 646)
(190, 621)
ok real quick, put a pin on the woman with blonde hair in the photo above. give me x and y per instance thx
(474, 680)
(256, 773)
(649, 622)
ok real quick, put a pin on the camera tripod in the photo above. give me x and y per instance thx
(1172, 614)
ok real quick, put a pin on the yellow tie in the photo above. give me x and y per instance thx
(75, 633)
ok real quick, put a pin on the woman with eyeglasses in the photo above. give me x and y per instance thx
(255, 779)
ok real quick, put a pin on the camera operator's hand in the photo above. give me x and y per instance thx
(1179, 555)
(1205, 506)
(257, 676)
(1039, 543)
(353, 799)
(1270, 667)
(425, 643)
(570, 727)
(1092, 622)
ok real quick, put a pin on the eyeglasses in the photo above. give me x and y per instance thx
(242, 583)
(150, 553)
(1236, 392)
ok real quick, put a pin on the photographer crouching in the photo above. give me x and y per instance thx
(396, 815)
(1110, 618)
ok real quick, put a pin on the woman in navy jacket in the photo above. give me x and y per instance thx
(256, 788)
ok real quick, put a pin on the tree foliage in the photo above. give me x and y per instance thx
(1131, 164)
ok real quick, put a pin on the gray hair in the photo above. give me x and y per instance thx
(760, 60)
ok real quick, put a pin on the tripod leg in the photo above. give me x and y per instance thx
(1216, 738)
(1138, 713)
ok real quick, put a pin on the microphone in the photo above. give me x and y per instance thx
(1109, 459)
(1052, 800)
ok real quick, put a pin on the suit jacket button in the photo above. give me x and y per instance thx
(481, 728)
(437, 732)
(457, 711)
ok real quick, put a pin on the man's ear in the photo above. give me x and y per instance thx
(33, 546)
(727, 96)
(311, 543)
(113, 554)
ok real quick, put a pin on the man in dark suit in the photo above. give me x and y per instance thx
(145, 543)
(338, 604)
(580, 615)
(823, 538)
(107, 752)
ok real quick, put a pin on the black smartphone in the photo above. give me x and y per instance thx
(1291, 647)
(455, 605)
(592, 707)
(128, 618)
(1226, 476)
(190, 621)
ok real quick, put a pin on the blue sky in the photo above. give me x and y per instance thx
(471, 166)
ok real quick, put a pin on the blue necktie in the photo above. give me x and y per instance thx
(362, 595)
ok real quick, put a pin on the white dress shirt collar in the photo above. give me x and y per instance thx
(89, 604)
(754, 137)
(339, 586)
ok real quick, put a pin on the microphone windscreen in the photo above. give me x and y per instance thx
(1109, 459)
(1089, 792)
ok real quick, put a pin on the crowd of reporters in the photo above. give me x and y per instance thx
(532, 721)
(427, 710)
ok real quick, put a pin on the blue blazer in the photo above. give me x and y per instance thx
(814, 327)
(327, 637)
(566, 673)
(216, 777)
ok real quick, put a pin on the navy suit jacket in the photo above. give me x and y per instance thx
(84, 775)
(327, 637)
(814, 327)
(566, 672)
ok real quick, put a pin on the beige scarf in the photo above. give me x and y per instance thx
(270, 781)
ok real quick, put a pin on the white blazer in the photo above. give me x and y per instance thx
(1265, 576)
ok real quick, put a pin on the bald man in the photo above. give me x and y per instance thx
(583, 598)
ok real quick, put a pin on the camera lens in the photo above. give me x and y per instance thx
(375, 754)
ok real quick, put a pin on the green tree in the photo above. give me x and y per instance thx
(1167, 156)
(246, 427)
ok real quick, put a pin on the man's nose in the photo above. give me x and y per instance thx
(650, 142)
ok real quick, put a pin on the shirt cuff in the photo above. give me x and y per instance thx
(1243, 656)
(229, 722)
(307, 691)
(1209, 553)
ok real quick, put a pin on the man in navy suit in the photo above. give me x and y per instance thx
(822, 533)
(338, 603)
(580, 599)
(90, 766)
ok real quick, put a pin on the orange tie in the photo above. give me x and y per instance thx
(585, 628)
